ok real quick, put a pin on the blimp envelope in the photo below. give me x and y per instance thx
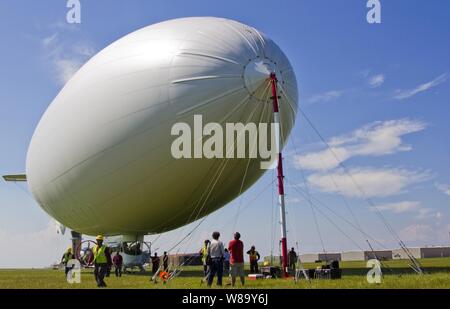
(100, 159)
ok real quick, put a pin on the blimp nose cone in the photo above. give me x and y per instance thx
(257, 75)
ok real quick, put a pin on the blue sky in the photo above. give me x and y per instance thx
(378, 94)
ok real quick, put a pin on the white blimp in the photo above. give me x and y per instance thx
(100, 159)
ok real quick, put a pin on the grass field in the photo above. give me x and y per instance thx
(396, 274)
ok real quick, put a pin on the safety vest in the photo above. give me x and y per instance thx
(99, 254)
(67, 257)
(204, 254)
(253, 256)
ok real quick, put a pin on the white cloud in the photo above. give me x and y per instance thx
(410, 207)
(417, 232)
(66, 54)
(375, 139)
(84, 50)
(444, 188)
(405, 94)
(366, 182)
(34, 249)
(66, 69)
(425, 234)
(399, 207)
(326, 96)
(376, 80)
(48, 40)
(322, 160)
(427, 213)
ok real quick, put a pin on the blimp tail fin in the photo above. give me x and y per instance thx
(16, 177)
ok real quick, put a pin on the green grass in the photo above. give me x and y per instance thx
(397, 274)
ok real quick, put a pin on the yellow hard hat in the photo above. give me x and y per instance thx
(99, 237)
(266, 263)
(69, 249)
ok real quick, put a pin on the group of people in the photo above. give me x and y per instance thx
(156, 260)
(218, 260)
(103, 262)
(100, 258)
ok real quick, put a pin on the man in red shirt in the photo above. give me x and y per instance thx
(118, 261)
(236, 248)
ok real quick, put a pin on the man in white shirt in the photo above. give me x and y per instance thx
(216, 252)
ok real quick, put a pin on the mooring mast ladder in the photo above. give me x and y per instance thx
(280, 176)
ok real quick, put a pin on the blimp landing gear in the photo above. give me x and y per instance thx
(135, 252)
(76, 241)
(84, 252)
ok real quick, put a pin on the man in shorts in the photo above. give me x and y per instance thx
(236, 248)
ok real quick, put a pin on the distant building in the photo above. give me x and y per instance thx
(421, 253)
(352, 256)
(324, 257)
(366, 255)
(192, 259)
(378, 254)
(400, 254)
(434, 252)
(329, 256)
(418, 253)
(309, 257)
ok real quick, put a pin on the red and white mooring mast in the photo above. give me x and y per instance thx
(280, 176)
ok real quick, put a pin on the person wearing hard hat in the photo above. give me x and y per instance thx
(254, 258)
(102, 260)
(67, 256)
(204, 255)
